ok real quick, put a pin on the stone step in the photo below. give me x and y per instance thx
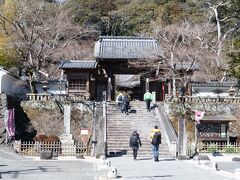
(130, 115)
(141, 149)
(120, 128)
(126, 146)
(140, 154)
(126, 143)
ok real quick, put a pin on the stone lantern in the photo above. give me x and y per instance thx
(231, 91)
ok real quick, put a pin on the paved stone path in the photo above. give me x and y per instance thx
(165, 169)
(14, 167)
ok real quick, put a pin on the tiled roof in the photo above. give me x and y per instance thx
(78, 64)
(122, 47)
(216, 84)
(219, 118)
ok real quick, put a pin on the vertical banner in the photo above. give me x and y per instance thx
(10, 123)
(198, 116)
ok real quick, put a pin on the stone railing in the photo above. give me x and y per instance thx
(167, 130)
(58, 97)
(192, 99)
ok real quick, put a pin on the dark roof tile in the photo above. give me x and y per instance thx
(78, 64)
(119, 47)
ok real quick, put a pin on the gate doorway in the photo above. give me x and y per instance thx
(129, 84)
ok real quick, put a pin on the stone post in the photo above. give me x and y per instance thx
(181, 137)
(163, 90)
(154, 97)
(109, 88)
(174, 88)
(67, 118)
(169, 88)
(147, 85)
(68, 147)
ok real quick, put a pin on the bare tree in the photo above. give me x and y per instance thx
(224, 29)
(37, 32)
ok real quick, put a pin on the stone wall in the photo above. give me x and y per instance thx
(46, 117)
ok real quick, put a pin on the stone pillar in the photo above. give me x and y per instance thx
(154, 97)
(169, 88)
(147, 85)
(68, 147)
(181, 137)
(174, 88)
(109, 88)
(163, 90)
(67, 118)
(189, 89)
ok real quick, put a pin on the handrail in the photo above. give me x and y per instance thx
(105, 125)
(167, 128)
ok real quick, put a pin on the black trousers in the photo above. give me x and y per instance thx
(135, 153)
(125, 108)
(148, 104)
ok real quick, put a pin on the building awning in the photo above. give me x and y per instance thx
(218, 118)
(123, 47)
(78, 64)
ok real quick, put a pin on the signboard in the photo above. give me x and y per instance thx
(84, 131)
(223, 131)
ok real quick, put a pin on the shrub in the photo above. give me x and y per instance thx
(229, 149)
(45, 138)
(40, 137)
(212, 148)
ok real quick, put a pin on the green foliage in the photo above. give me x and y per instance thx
(133, 19)
(90, 12)
(235, 60)
(212, 148)
(172, 12)
(229, 149)
(7, 58)
(235, 64)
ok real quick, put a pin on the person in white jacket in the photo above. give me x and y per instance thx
(119, 99)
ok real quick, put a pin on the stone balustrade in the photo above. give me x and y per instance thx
(192, 99)
(58, 97)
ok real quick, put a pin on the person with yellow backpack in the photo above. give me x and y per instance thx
(155, 135)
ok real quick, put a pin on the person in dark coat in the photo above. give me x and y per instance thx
(134, 143)
(125, 104)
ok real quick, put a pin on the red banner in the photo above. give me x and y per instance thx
(10, 122)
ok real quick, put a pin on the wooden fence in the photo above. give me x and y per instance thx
(33, 148)
(217, 147)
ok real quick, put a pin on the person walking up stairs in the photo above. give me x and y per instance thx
(119, 128)
(155, 135)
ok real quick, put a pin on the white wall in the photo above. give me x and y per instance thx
(209, 91)
(11, 85)
(52, 89)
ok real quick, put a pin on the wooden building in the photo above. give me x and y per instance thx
(116, 55)
(215, 128)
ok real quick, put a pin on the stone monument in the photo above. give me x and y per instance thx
(68, 147)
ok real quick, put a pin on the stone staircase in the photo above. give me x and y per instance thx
(119, 128)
